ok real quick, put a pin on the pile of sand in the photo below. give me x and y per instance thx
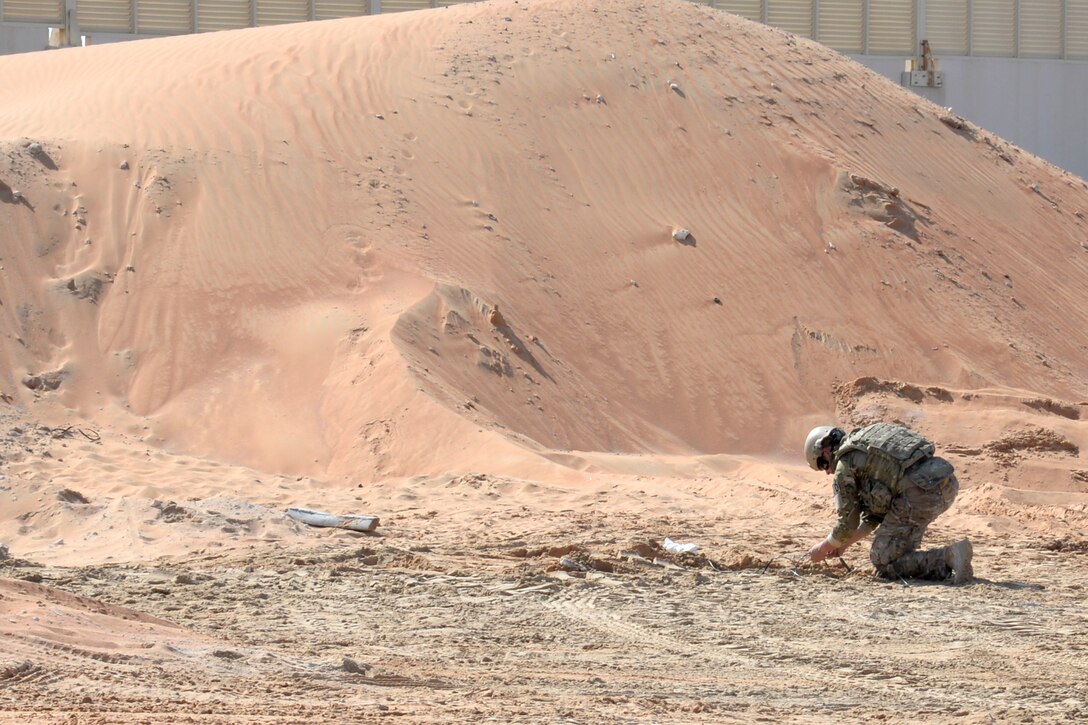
(627, 245)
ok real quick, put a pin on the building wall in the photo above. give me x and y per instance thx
(22, 38)
(1040, 105)
(27, 37)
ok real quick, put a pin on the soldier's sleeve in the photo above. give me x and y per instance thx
(847, 502)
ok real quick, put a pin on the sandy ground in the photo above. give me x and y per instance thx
(483, 597)
(539, 284)
(430, 624)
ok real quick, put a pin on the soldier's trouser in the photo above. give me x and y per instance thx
(924, 495)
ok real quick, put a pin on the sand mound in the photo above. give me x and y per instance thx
(288, 257)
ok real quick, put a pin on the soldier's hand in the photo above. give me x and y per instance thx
(822, 550)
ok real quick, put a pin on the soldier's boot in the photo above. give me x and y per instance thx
(959, 560)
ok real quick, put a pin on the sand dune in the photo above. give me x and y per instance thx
(508, 269)
(293, 195)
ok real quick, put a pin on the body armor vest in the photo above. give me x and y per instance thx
(889, 450)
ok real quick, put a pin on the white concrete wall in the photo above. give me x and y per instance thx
(1039, 105)
(22, 38)
(28, 37)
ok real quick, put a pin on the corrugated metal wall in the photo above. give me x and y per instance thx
(998, 28)
(31, 11)
(1040, 29)
(751, 9)
(399, 6)
(163, 17)
(892, 28)
(1076, 31)
(993, 28)
(841, 24)
(214, 15)
(331, 9)
(110, 16)
(796, 17)
(946, 26)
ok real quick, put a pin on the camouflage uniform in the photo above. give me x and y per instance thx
(887, 478)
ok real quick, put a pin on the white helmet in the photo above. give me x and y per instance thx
(814, 444)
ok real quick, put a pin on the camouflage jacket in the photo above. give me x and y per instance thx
(869, 464)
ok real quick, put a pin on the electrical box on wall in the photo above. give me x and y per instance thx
(921, 72)
(924, 78)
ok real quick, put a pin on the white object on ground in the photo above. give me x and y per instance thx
(567, 563)
(353, 522)
(674, 548)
